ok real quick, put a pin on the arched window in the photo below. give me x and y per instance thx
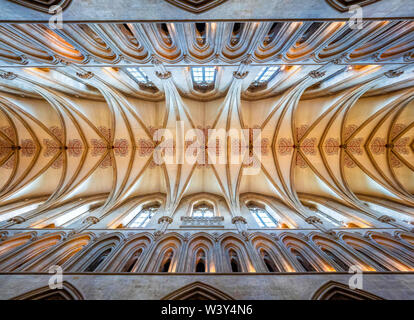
(371, 259)
(129, 266)
(95, 264)
(144, 217)
(166, 262)
(262, 217)
(335, 258)
(271, 266)
(204, 210)
(200, 261)
(234, 261)
(302, 260)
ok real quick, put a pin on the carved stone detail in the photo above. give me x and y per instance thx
(344, 5)
(238, 219)
(313, 220)
(386, 219)
(202, 222)
(8, 75)
(17, 220)
(163, 75)
(167, 219)
(240, 75)
(3, 235)
(393, 73)
(42, 5)
(91, 220)
(85, 75)
(196, 6)
(315, 74)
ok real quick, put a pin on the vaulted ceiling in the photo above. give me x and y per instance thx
(336, 119)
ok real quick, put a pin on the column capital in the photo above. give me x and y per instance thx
(167, 219)
(393, 73)
(17, 220)
(85, 75)
(91, 220)
(386, 219)
(8, 75)
(163, 75)
(315, 74)
(313, 220)
(240, 75)
(238, 219)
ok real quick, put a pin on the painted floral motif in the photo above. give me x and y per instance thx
(57, 132)
(378, 146)
(349, 163)
(248, 149)
(106, 162)
(396, 129)
(152, 131)
(349, 130)
(99, 147)
(4, 147)
(401, 145)
(309, 146)
(121, 147)
(51, 147)
(285, 146)
(331, 146)
(10, 163)
(75, 148)
(395, 162)
(354, 146)
(106, 132)
(28, 147)
(58, 163)
(300, 131)
(9, 132)
(145, 147)
(300, 162)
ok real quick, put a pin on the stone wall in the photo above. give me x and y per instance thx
(242, 286)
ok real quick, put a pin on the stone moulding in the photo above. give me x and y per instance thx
(196, 6)
(202, 222)
(43, 5)
(344, 5)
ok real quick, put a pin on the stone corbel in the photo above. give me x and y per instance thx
(313, 220)
(240, 75)
(3, 235)
(163, 222)
(241, 225)
(315, 74)
(89, 221)
(318, 223)
(7, 75)
(163, 75)
(393, 73)
(391, 221)
(85, 75)
(17, 220)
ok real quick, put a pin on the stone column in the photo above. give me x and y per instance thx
(163, 222)
(392, 221)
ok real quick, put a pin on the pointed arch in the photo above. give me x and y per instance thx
(198, 291)
(333, 290)
(68, 292)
